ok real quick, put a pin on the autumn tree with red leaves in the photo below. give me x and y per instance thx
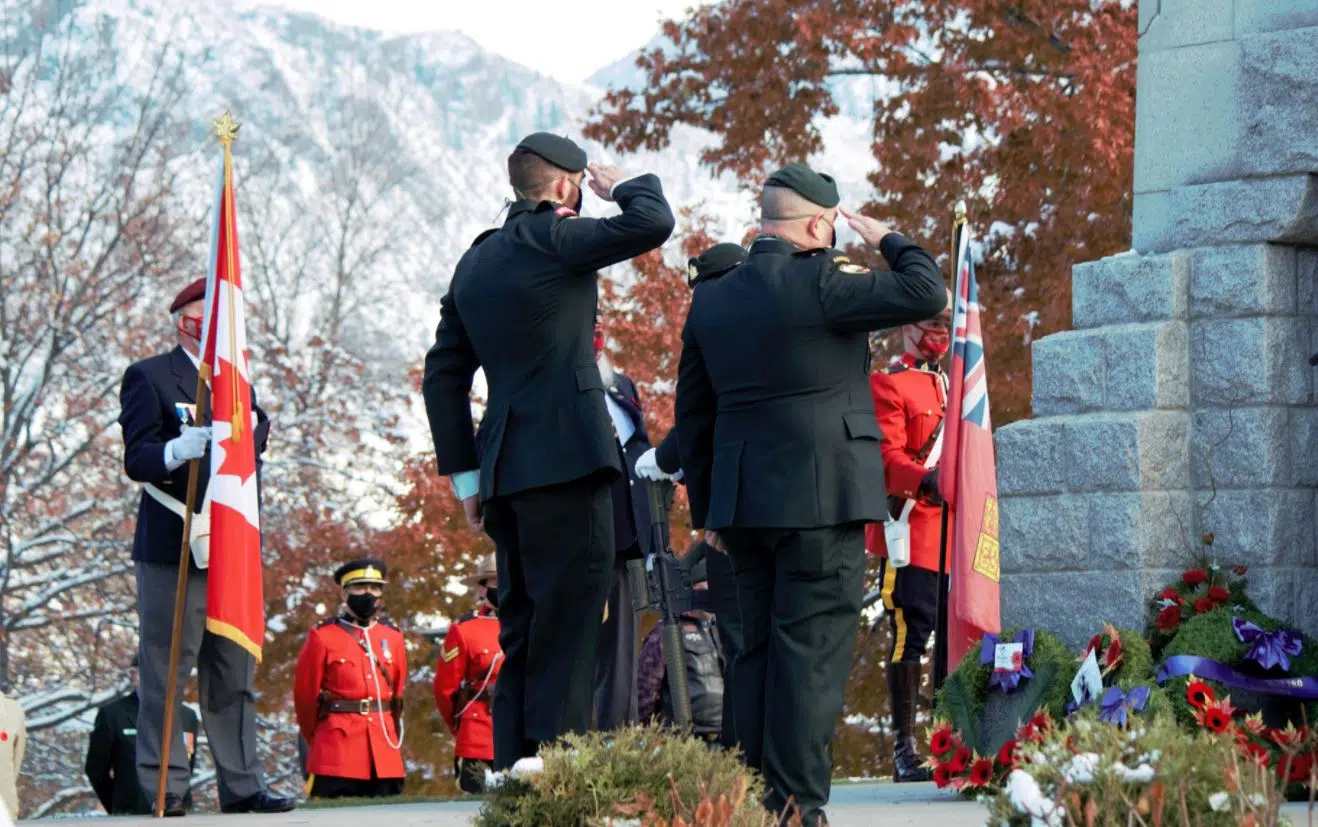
(1025, 109)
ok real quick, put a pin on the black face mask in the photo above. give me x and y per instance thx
(363, 606)
(492, 595)
(832, 242)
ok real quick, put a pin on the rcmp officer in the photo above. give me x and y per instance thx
(348, 692)
(157, 417)
(780, 451)
(664, 462)
(465, 675)
(910, 397)
(112, 753)
(13, 741)
(536, 477)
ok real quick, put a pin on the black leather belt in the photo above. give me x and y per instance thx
(363, 707)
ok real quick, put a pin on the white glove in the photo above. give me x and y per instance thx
(647, 468)
(191, 443)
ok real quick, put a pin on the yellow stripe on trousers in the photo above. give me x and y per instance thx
(898, 617)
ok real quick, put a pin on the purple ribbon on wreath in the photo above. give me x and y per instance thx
(1007, 681)
(1269, 649)
(1116, 703)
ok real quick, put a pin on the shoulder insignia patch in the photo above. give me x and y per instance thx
(841, 260)
(853, 269)
(449, 654)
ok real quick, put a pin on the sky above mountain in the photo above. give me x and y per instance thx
(566, 39)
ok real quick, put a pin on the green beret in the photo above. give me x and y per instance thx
(815, 187)
(557, 150)
(713, 262)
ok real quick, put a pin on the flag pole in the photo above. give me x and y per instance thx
(940, 614)
(180, 595)
(226, 130)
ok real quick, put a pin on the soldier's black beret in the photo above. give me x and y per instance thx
(716, 260)
(815, 187)
(362, 570)
(557, 150)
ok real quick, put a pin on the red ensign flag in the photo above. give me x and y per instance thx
(235, 608)
(968, 474)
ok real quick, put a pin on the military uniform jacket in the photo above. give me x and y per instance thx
(631, 498)
(521, 306)
(13, 741)
(909, 399)
(775, 419)
(469, 660)
(156, 396)
(112, 755)
(334, 660)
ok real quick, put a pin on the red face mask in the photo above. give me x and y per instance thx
(599, 339)
(190, 326)
(933, 344)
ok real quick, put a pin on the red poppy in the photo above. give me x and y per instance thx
(1199, 694)
(941, 741)
(1257, 754)
(1214, 719)
(1007, 755)
(1218, 593)
(1025, 732)
(942, 776)
(1240, 570)
(1170, 593)
(1169, 618)
(1204, 605)
(1041, 721)
(981, 772)
(1299, 769)
(959, 761)
(1194, 577)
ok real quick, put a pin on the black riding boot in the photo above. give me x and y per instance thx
(903, 687)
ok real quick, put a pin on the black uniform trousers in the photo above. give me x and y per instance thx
(615, 666)
(910, 600)
(331, 786)
(727, 620)
(800, 595)
(554, 548)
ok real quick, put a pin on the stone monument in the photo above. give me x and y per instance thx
(1182, 403)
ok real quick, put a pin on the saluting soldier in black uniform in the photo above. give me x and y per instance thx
(536, 475)
(780, 450)
(664, 462)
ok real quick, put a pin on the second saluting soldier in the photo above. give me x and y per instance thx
(464, 680)
(348, 692)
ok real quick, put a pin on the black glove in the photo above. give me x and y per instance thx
(929, 487)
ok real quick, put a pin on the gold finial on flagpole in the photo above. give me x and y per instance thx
(960, 212)
(226, 128)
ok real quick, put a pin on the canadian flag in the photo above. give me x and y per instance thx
(235, 608)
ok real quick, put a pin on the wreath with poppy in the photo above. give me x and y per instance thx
(1204, 588)
(956, 766)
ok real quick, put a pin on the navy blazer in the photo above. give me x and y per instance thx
(152, 399)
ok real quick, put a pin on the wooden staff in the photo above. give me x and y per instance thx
(180, 597)
(940, 609)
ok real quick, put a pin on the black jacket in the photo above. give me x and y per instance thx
(666, 456)
(151, 398)
(775, 418)
(522, 306)
(112, 756)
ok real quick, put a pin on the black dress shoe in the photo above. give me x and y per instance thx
(174, 806)
(262, 802)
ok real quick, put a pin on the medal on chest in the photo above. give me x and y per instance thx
(385, 651)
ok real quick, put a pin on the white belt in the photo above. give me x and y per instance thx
(200, 541)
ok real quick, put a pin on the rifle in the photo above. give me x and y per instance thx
(666, 585)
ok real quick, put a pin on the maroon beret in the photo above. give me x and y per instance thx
(193, 292)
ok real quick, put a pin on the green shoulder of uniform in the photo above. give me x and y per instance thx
(843, 264)
(484, 236)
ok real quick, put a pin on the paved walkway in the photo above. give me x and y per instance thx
(866, 804)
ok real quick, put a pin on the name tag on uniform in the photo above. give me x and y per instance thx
(132, 730)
